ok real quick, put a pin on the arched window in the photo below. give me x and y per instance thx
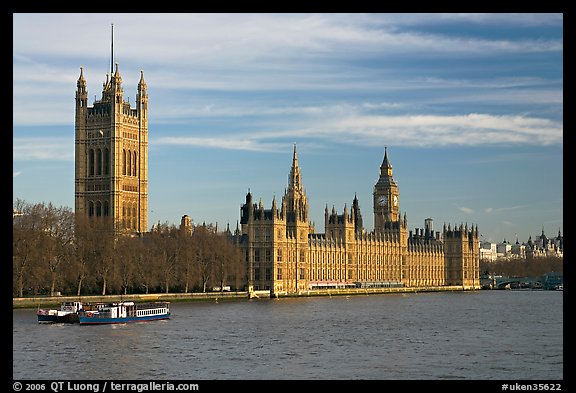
(124, 161)
(106, 161)
(99, 162)
(134, 216)
(129, 158)
(106, 209)
(91, 162)
(90, 208)
(98, 209)
(134, 165)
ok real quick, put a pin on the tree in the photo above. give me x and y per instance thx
(203, 253)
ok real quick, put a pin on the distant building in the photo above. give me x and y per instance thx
(541, 247)
(518, 250)
(186, 224)
(503, 249)
(488, 251)
(545, 247)
(285, 255)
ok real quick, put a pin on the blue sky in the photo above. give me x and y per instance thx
(470, 107)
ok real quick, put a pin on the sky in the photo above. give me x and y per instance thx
(469, 107)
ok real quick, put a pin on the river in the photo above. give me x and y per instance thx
(417, 336)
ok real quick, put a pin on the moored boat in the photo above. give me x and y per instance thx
(124, 312)
(68, 313)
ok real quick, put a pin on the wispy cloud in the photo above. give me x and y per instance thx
(228, 143)
(499, 209)
(420, 130)
(41, 148)
(16, 173)
(466, 210)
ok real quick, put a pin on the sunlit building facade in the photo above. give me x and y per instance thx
(285, 255)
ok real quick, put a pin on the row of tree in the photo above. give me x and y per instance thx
(54, 251)
(522, 267)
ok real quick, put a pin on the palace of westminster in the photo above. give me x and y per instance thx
(282, 251)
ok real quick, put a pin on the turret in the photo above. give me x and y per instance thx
(81, 93)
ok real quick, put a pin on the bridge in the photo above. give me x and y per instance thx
(517, 282)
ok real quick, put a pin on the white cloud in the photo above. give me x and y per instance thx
(16, 173)
(41, 148)
(499, 209)
(420, 130)
(230, 143)
(466, 210)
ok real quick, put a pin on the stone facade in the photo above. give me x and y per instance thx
(111, 155)
(285, 256)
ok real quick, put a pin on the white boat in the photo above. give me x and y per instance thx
(68, 313)
(124, 312)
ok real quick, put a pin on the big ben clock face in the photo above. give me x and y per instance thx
(382, 200)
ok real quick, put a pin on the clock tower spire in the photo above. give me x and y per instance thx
(386, 196)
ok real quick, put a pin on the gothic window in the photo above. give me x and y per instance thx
(279, 259)
(99, 162)
(134, 165)
(90, 208)
(124, 162)
(98, 209)
(279, 274)
(129, 158)
(256, 273)
(134, 217)
(106, 161)
(106, 209)
(256, 255)
(91, 162)
(302, 271)
(268, 255)
(268, 273)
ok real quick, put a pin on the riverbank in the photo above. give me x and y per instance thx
(54, 301)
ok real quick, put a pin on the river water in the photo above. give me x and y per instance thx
(420, 336)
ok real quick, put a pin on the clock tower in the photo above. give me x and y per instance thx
(386, 197)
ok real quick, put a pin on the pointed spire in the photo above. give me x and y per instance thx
(295, 181)
(142, 83)
(386, 162)
(81, 80)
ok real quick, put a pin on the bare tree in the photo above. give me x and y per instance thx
(185, 261)
(203, 253)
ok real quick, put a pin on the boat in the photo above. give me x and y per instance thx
(124, 312)
(68, 313)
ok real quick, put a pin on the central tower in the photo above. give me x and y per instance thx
(386, 196)
(111, 156)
